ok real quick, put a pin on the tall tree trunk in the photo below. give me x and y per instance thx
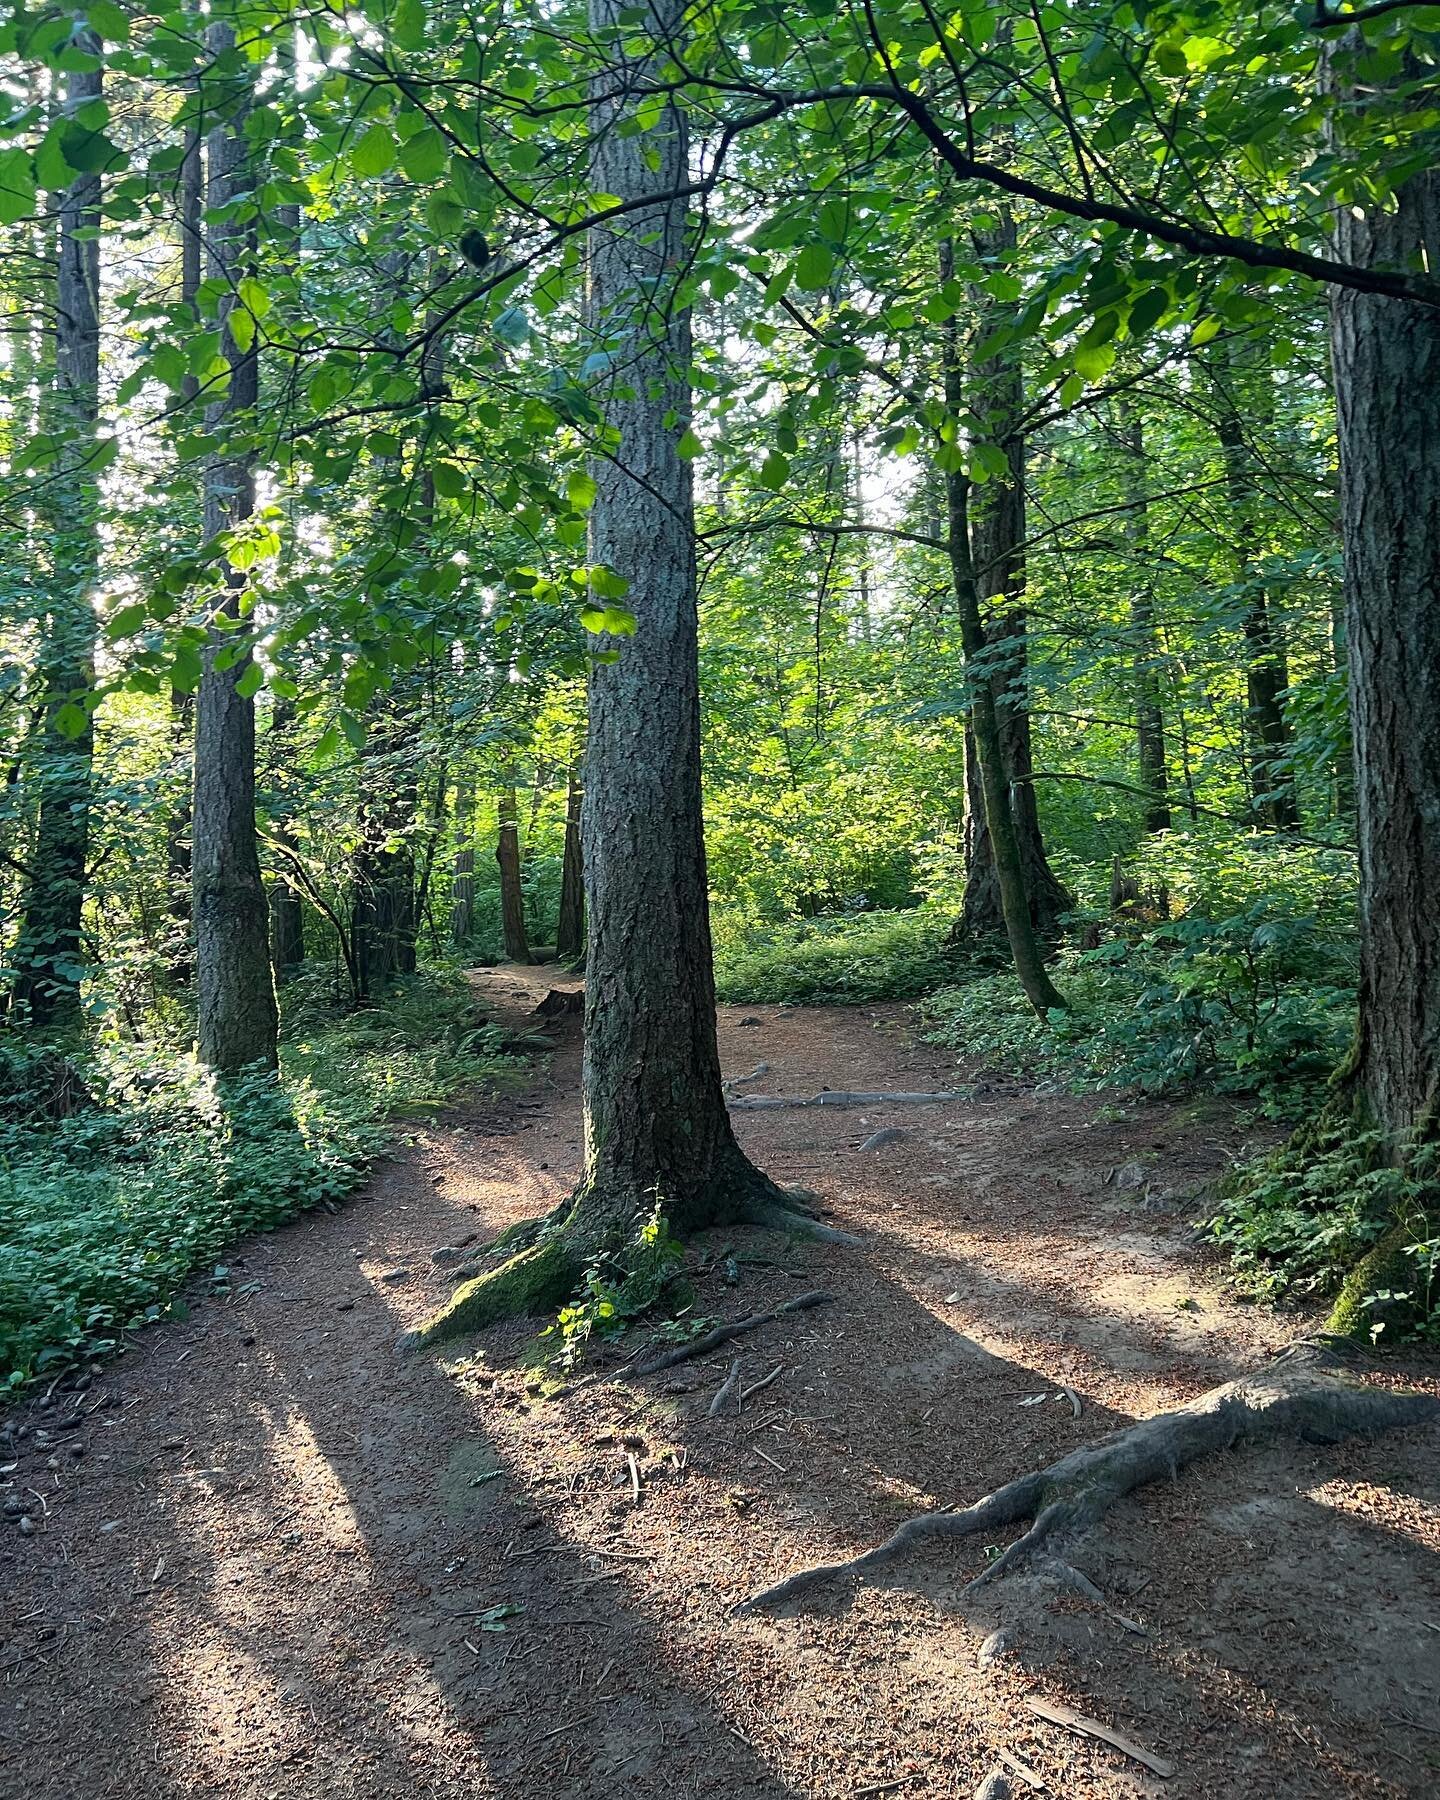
(48, 954)
(570, 926)
(462, 880)
(1268, 738)
(287, 909)
(657, 1132)
(1149, 710)
(512, 894)
(1386, 357)
(235, 989)
(997, 546)
(985, 719)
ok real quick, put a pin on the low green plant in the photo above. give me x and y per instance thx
(839, 959)
(1254, 1003)
(105, 1212)
(614, 1290)
(1302, 1218)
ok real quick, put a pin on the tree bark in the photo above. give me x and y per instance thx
(235, 989)
(997, 538)
(989, 759)
(462, 879)
(1386, 358)
(287, 909)
(512, 894)
(1149, 709)
(49, 952)
(570, 927)
(1268, 737)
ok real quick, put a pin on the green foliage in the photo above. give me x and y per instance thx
(1243, 1004)
(1300, 1219)
(840, 960)
(614, 1290)
(104, 1213)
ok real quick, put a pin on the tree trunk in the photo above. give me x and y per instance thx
(462, 881)
(997, 553)
(383, 913)
(1386, 357)
(1267, 731)
(1149, 711)
(48, 954)
(235, 990)
(512, 894)
(570, 927)
(989, 758)
(287, 909)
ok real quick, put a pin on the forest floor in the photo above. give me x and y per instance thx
(273, 1569)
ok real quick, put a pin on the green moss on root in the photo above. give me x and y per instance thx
(535, 1281)
(1386, 1268)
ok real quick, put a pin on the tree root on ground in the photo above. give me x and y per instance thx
(1306, 1393)
(722, 1334)
(832, 1097)
(539, 1279)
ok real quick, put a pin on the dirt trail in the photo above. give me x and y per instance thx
(290, 1563)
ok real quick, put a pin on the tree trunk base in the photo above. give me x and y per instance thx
(1306, 1393)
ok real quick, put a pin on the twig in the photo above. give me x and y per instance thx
(1059, 1714)
(722, 1334)
(755, 1387)
(634, 1475)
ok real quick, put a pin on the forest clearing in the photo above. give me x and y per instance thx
(719, 968)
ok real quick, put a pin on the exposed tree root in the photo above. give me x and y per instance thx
(728, 1390)
(1305, 1393)
(789, 1219)
(535, 1281)
(722, 1334)
(833, 1097)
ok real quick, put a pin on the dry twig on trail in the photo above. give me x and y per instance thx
(1305, 1393)
(722, 1334)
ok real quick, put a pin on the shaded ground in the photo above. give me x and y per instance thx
(274, 1567)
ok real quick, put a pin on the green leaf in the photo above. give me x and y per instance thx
(449, 479)
(354, 731)
(70, 719)
(580, 490)
(425, 156)
(689, 445)
(375, 152)
(814, 267)
(242, 328)
(1091, 361)
(17, 186)
(775, 471)
(407, 25)
(251, 682)
(1148, 310)
(108, 20)
(127, 619)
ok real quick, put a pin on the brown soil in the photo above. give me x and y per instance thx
(269, 1571)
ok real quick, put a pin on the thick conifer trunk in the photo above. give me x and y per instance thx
(1387, 382)
(235, 988)
(512, 893)
(1149, 709)
(48, 953)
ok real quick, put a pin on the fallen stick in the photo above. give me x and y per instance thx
(763, 1382)
(1067, 1716)
(722, 1334)
(834, 1097)
(726, 1391)
(1017, 1766)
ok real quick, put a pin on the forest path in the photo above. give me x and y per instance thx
(275, 1569)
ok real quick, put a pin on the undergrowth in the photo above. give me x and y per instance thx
(837, 959)
(106, 1212)
(1254, 1004)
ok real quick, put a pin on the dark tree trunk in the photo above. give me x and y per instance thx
(235, 989)
(656, 1124)
(1149, 710)
(1268, 739)
(512, 894)
(570, 927)
(989, 759)
(287, 909)
(997, 551)
(1387, 383)
(48, 954)
(383, 913)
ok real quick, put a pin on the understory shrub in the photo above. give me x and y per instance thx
(1255, 1003)
(106, 1211)
(1301, 1219)
(841, 958)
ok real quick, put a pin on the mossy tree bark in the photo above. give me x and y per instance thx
(235, 990)
(48, 953)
